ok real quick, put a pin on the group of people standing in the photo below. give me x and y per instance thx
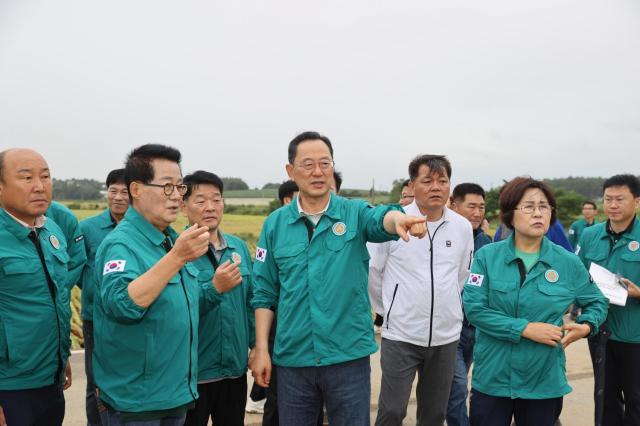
(172, 321)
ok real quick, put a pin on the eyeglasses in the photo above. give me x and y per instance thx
(406, 197)
(530, 208)
(311, 165)
(169, 187)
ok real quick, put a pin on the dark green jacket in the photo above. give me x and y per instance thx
(622, 258)
(144, 359)
(34, 326)
(94, 229)
(500, 307)
(575, 231)
(319, 287)
(227, 331)
(68, 223)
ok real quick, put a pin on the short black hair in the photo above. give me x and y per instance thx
(201, 177)
(115, 176)
(461, 191)
(286, 190)
(337, 178)
(138, 165)
(591, 203)
(405, 183)
(628, 180)
(306, 136)
(435, 163)
(512, 192)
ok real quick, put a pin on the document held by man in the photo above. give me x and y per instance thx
(609, 284)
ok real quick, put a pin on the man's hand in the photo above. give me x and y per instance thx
(632, 289)
(191, 243)
(396, 222)
(574, 332)
(226, 277)
(544, 333)
(3, 422)
(260, 365)
(67, 376)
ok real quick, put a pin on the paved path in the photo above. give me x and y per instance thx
(577, 411)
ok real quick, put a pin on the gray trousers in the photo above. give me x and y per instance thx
(400, 361)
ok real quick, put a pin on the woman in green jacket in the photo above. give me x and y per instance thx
(516, 296)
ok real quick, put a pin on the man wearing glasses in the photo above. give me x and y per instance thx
(146, 306)
(615, 351)
(311, 268)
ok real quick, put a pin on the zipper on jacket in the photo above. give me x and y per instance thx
(431, 238)
(33, 236)
(167, 244)
(395, 290)
(190, 336)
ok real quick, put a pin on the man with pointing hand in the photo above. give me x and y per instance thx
(311, 268)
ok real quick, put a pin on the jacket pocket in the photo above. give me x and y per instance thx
(393, 299)
(286, 258)
(502, 295)
(337, 242)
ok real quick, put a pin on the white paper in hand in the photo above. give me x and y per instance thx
(607, 282)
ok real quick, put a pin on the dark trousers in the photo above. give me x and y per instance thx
(270, 416)
(344, 388)
(621, 383)
(223, 401)
(487, 410)
(91, 402)
(457, 414)
(33, 407)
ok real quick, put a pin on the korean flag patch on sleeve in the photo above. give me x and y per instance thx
(475, 280)
(261, 254)
(114, 266)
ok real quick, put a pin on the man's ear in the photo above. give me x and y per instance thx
(289, 168)
(135, 189)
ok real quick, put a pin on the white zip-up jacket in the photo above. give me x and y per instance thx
(417, 285)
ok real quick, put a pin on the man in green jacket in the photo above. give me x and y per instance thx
(95, 229)
(226, 332)
(615, 245)
(34, 295)
(146, 306)
(589, 210)
(311, 268)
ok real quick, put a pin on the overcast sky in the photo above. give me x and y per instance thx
(549, 88)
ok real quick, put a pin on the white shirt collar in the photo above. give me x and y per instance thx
(40, 220)
(320, 213)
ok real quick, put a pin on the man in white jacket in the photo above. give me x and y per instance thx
(419, 283)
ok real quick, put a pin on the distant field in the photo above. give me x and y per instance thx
(247, 201)
(231, 223)
(252, 193)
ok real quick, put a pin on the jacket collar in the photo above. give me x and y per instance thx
(107, 220)
(147, 229)
(18, 228)
(413, 210)
(545, 250)
(333, 210)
